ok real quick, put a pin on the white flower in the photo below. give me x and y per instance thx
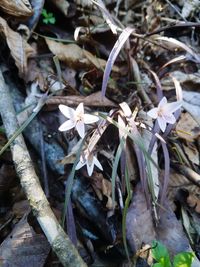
(163, 113)
(77, 119)
(89, 160)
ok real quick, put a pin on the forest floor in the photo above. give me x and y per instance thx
(99, 133)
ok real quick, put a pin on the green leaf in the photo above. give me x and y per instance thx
(45, 21)
(52, 20)
(183, 259)
(127, 202)
(44, 13)
(160, 254)
(157, 265)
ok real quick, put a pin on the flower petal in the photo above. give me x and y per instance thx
(97, 163)
(80, 109)
(122, 125)
(67, 125)
(162, 123)
(80, 164)
(67, 111)
(171, 107)
(162, 103)
(90, 118)
(80, 127)
(90, 167)
(169, 118)
(153, 113)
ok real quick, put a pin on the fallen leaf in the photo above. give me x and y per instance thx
(187, 128)
(23, 247)
(191, 103)
(93, 100)
(20, 8)
(178, 181)
(192, 152)
(76, 57)
(193, 202)
(189, 7)
(139, 223)
(20, 208)
(19, 48)
(62, 5)
(102, 187)
(170, 233)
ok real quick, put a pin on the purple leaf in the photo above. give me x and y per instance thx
(113, 55)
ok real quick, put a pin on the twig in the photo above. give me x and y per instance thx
(57, 238)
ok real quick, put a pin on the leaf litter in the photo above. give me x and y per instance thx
(133, 176)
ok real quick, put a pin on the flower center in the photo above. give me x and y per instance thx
(160, 112)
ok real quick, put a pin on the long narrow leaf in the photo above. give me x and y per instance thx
(70, 181)
(166, 172)
(113, 55)
(25, 124)
(115, 166)
(127, 201)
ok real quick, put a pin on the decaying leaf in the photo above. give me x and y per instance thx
(192, 152)
(19, 48)
(20, 8)
(170, 233)
(178, 181)
(141, 230)
(23, 247)
(139, 223)
(102, 187)
(192, 104)
(20, 208)
(76, 57)
(62, 5)
(193, 202)
(93, 100)
(187, 128)
(189, 7)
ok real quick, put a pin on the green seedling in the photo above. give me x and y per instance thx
(161, 256)
(48, 18)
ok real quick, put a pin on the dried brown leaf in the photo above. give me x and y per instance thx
(187, 128)
(76, 57)
(93, 100)
(19, 48)
(18, 8)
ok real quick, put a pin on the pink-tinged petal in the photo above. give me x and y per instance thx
(80, 109)
(123, 125)
(126, 109)
(67, 125)
(80, 127)
(169, 118)
(162, 123)
(97, 163)
(80, 165)
(90, 118)
(171, 107)
(90, 168)
(153, 113)
(67, 111)
(162, 103)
